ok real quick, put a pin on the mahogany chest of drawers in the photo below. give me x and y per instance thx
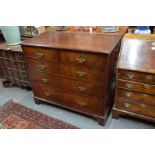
(12, 66)
(73, 71)
(135, 87)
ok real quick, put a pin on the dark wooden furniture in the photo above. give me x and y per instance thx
(12, 66)
(135, 88)
(73, 71)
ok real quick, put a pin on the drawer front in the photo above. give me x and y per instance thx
(134, 76)
(42, 66)
(143, 109)
(136, 96)
(81, 58)
(146, 88)
(79, 72)
(70, 100)
(40, 53)
(93, 90)
(47, 93)
(73, 71)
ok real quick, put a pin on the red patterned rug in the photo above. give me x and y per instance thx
(16, 116)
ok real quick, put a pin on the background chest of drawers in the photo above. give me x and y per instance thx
(135, 88)
(73, 71)
(12, 66)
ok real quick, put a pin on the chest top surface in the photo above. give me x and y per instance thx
(98, 43)
(138, 53)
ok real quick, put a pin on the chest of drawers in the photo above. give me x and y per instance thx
(135, 88)
(73, 71)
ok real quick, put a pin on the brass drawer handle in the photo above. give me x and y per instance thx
(39, 70)
(44, 80)
(47, 93)
(148, 77)
(145, 95)
(127, 105)
(80, 60)
(143, 105)
(39, 55)
(129, 85)
(80, 74)
(42, 67)
(128, 94)
(130, 76)
(81, 88)
(82, 103)
(146, 86)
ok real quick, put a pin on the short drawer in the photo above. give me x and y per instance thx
(138, 108)
(70, 100)
(136, 96)
(82, 58)
(145, 88)
(38, 65)
(84, 88)
(72, 71)
(40, 53)
(47, 93)
(136, 76)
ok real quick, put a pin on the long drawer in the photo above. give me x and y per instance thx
(73, 71)
(86, 88)
(68, 56)
(136, 76)
(139, 108)
(41, 53)
(136, 96)
(69, 99)
(146, 88)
